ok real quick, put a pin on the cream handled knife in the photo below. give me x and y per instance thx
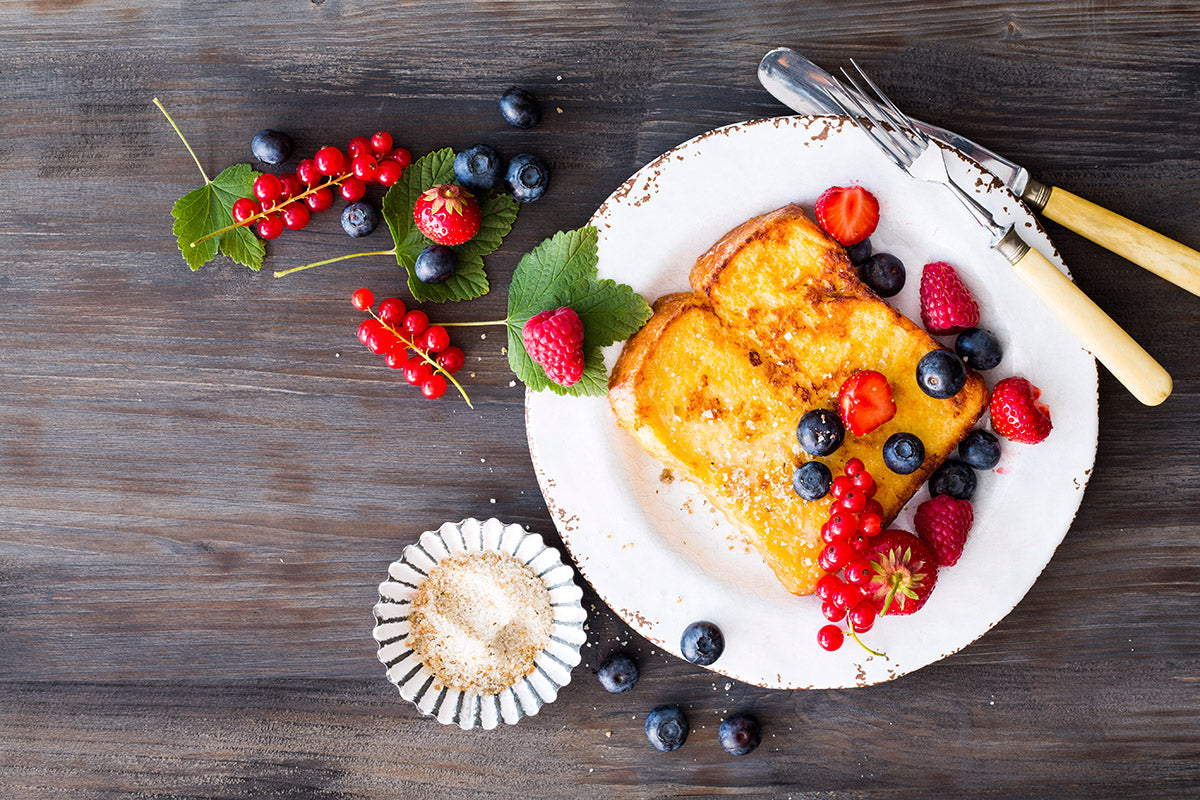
(801, 85)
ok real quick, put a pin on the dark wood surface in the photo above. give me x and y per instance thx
(203, 476)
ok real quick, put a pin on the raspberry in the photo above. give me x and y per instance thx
(946, 304)
(943, 523)
(1016, 413)
(554, 339)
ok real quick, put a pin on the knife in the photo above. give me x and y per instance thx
(802, 86)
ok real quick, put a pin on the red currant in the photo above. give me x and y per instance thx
(245, 208)
(397, 357)
(415, 322)
(862, 616)
(381, 143)
(270, 226)
(330, 161)
(358, 146)
(863, 480)
(365, 168)
(854, 500)
(401, 157)
(291, 186)
(389, 172)
(417, 371)
(433, 387)
(847, 596)
(827, 585)
(873, 507)
(870, 523)
(451, 359)
(308, 173)
(853, 467)
(352, 189)
(832, 612)
(827, 534)
(859, 542)
(858, 572)
(362, 299)
(380, 340)
(830, 637)
(267, 187)
(391, 310)
(436, 339)
(841, 484)
(834, 555)
(843, 525)
(319, 200)
(295, 216)
(365, 328)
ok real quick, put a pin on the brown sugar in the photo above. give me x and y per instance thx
(479, 620)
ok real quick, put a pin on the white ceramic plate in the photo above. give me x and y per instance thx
(662, 557)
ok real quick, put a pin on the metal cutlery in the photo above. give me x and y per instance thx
(915, 152)
(803, 86)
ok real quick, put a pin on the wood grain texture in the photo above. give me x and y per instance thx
(203, 476)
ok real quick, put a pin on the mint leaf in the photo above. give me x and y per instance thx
(210, 208)
(469, 279)
(561, 271)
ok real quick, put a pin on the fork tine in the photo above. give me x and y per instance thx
(896, 130)
(899, 116)
(871, 130)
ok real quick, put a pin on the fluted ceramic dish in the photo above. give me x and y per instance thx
(552, 667)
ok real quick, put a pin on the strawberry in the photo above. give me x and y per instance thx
(448, 214)
(944, 522)
(946, 303)
(905, 572)
(865, 402)
(847, 213)
(554, 339)
(1016, 413)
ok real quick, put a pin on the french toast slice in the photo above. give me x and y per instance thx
(715, 383)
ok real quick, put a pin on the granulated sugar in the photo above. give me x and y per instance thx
(479, 620)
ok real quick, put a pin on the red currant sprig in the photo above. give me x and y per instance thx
(855, 517)
(393, 331)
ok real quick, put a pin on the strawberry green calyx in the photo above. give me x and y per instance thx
(449, 196)
(904, 572)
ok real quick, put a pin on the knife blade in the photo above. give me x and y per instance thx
(801, 85)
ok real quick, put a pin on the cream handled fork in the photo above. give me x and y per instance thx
(914, 152)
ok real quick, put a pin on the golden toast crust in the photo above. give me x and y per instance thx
(714, 384)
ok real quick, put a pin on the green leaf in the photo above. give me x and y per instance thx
(203, 211)
(561, 271)
(469, 279)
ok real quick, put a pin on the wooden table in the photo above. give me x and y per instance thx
(203, 476)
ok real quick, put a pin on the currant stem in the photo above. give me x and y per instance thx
(431, 362)
(863, 646)
(183, 139)
(274, 209)
(283, 272)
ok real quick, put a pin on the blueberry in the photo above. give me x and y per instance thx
(359, 219)
(667, 728)
(903, 453)
(702, 643)
(953, 478)
(812, 480)
(858, 253)
(740, 734)
(520, 108)
(527, 176)
(435, 264)
(980, 449)
(271, 147)
(820, 432)
(979, 348)
(883, 273)
(479, 167)
(941, 374)
(618, 673)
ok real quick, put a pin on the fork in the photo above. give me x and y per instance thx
(912, 151)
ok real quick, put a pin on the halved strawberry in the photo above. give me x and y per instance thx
(865, 402)
(905, 572)
(848, 213)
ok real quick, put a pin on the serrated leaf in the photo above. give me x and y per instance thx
(469, 280)
(209, 208)
(561, 271)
